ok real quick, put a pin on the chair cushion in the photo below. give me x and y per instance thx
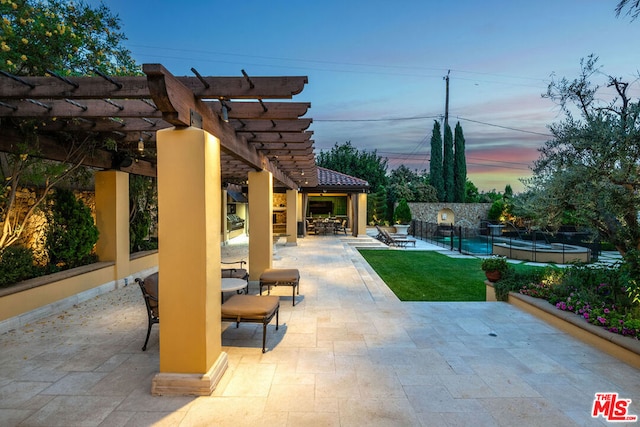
(272, 275)
(250, 307)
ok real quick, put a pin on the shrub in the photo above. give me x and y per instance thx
(71, 233)
(402, 214)
(16, 264)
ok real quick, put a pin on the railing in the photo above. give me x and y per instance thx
(479, 241)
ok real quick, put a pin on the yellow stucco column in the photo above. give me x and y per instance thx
(260, 222)
(292, 217)
(189, 199)
(112, 219)
(362, 213)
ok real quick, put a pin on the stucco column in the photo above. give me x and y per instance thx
(362, 213)
(260, 222)
(292, 217)
(112, 219)
(189, 204)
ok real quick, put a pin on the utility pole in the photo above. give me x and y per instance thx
(446, 105)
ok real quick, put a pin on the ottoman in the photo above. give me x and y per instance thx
(281, 277)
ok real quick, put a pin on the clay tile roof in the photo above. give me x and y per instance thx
(331, 179)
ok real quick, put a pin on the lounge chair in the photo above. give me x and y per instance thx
(149, 288)
(395, 240)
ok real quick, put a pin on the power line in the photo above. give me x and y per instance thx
(505, 127)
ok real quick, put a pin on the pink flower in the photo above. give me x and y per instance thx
(586, 316)
(602, 320)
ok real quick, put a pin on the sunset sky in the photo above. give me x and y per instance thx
(376, 68)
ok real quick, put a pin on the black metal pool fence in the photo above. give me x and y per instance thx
(480, 240)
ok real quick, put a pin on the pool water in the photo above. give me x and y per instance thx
(476, 245)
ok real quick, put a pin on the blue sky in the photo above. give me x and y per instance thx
(376, 68)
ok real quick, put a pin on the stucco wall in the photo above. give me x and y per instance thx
(465, 214)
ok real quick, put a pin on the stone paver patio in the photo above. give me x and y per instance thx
(348, 354)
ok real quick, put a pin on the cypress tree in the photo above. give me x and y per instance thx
(435, 166)
(459, 166)
(447, 164)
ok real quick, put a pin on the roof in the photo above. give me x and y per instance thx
(331, 180)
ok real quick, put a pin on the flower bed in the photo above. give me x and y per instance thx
(597, 311)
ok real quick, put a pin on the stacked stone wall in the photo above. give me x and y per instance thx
(465, 214)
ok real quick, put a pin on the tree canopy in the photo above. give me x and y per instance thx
(51, 36)
(591, 166)
(64, 37)
(459, 166)
(362, 164)
(447, 165)
(436, 178)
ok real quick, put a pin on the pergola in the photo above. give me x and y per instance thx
(195, 134)
(255, 132)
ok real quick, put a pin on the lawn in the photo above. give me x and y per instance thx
(428, 275)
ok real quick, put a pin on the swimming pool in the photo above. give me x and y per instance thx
(480, 245)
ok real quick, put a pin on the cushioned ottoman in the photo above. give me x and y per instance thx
(252, 308)
(281, 277)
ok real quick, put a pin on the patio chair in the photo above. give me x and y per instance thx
(149, 288)
(341, 227)
(236, 273)
(311, 227)
(252, 308)
(281, 277)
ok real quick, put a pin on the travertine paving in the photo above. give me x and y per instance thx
(348, 354)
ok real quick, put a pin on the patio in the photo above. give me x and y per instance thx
(348, 354)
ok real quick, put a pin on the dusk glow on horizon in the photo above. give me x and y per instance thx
(376, 69)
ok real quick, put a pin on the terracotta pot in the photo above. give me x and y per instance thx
(493, 276)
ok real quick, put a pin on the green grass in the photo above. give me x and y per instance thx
(428, 275)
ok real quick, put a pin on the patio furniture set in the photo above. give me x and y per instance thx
(240, 307)
(327, 226)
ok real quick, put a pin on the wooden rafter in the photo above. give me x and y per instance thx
(256, 134)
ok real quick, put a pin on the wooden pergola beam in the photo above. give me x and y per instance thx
(177, 104)
(282, 137)
(255, 110)
(136, 87)
(271, 125)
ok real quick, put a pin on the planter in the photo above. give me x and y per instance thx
(493, 275)
(402, 229)
(621, 347)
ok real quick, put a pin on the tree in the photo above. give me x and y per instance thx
(591, 166)
(447, 164)
(64, 37)
(71, 233)
(459, 166)
(363, 164)
(436, 177)
(67, 39)
(410, 185)
(634, 8)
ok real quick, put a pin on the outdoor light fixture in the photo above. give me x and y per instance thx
(140, 145)
(225, 113)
